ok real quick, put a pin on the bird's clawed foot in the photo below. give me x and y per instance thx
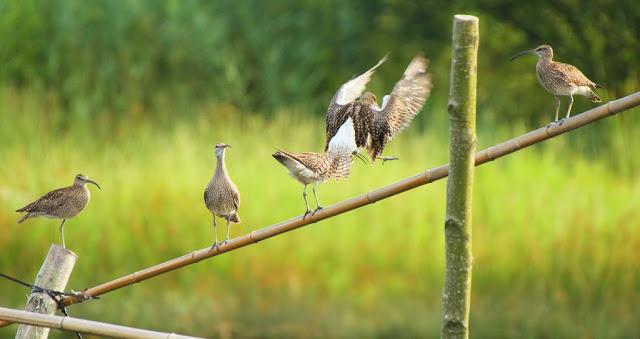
(225, 242)
(215, 245)
(316, 210)
(385, 159)
(552, 123)
(306, 213)
(562, 120)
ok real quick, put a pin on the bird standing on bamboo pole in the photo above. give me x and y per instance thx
(63, 203)
(221, 196)
(560, 79)
(375, 126)
(314, 168)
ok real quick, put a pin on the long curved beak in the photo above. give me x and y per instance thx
(227, 146)
(521, 54)
(95, 183)
(360, 156)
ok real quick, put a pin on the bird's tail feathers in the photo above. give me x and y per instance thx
(594, 97)
(280, 156)
(24, 217)
(234, 218)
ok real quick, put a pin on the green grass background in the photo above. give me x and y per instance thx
(556, 237)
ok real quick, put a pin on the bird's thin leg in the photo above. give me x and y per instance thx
(569, 109)
(215, 232)
(557, 110)
(304, 195)
(227, 239)
(318, 207)
(557, 107)
(62, 232)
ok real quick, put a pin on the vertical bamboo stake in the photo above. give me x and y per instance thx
(53, 275)
(462, 129)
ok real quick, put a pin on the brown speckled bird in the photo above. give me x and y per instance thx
(313, 168)
(375, 126)
(221, 196)
(63, 203)
(560, 79)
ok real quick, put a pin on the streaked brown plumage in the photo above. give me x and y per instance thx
(561, 79)
(63, 203)
(375, 126)
(313, 168)
(221, 196)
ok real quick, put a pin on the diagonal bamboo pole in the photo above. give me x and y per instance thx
(83, 326)
(482, 157)
(456, 297)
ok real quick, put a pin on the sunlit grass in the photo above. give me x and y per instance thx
(556, 233)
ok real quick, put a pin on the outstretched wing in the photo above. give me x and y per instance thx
(406, 99)
(353, 88)
(347, 93)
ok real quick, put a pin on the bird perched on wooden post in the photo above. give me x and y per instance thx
(313, 168)
(221, 196)
(560, 79)
(375, 126)
(63, 203)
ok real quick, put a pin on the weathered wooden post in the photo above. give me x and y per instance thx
(462, 129)
(53, 275)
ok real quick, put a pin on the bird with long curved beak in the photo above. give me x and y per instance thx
(63, 203)
(560, 79)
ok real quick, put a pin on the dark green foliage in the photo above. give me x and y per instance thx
(109, 56)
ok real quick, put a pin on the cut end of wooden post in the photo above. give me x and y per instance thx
(54, 275)
(59, 249)
(464, 17)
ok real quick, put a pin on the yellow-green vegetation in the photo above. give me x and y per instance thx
(556, 227)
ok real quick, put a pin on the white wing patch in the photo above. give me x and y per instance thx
(385, 102)
(344, 142)
(353, 88)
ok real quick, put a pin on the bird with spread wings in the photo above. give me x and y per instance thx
(375, 125)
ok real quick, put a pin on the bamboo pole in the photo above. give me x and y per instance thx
(81, 325)
(371, 197)
(53, 275)
(456, 297)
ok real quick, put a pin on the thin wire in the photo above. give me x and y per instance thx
(57, 296)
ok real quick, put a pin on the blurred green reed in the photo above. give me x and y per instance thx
(556, 227)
